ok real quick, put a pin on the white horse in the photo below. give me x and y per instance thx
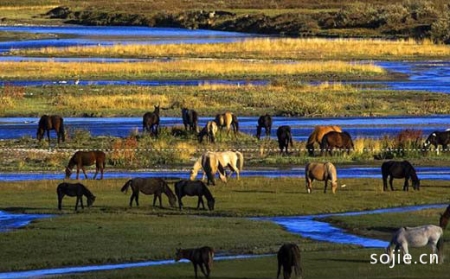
(225, 159)
(417, 237)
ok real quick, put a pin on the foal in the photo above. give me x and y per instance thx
(198, 256)
(74, 190)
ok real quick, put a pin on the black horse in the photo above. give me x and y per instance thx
(339, 140)
(289, 256)
(51, 122)
(74, 190)
(264, 121)
(436, 138)
(190, 119)
(396, 169)
(194, 188)
(284, 136)
(150, 122)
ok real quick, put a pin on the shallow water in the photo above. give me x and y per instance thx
(9, 221)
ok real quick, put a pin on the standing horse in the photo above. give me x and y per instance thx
(322, 172)
(417, 237)
(289, 256)
(74, 190)
(194, 188)
(443, 221)
(190, 119)
(340, 140)
(209, 130)
(209, 162)
(51, 122)
(436, 138)
(264, 121)
(149, 186)
(87, 158)
(396, 169)
(150, 121)
(317, 136)
(284, 136)
(203, 256)
(228, 120)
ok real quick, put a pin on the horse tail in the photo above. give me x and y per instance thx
(211, 257)
(235, 123)
(241, 160)
(290, 138)
(125, 187)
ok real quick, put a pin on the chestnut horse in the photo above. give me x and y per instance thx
(317, 135)
(51, 122)
(87, 158)
(339, 140)
(149, 186)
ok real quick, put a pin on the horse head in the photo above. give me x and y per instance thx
(258, 132)
(432, 139)
(416, 184)
(90, 200)
(40, 134)
(68, 172)
(211, 203)
(156, 111)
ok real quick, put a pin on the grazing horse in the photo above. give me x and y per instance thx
(443, 221)
(333, 139)
(284, 136)
(225, 159)
(209, 162)
(209, 130)
(86, 158)
(289, 256)
(317, 135)
(396, 169)
(202, 257)
(150, 121)
(149, 186)
(417, 237)
(194, 188)
(266, 122)
(74, 190)
(321, 172)
(51, 122)
(228, 120)
(436, 138)
(190, 119)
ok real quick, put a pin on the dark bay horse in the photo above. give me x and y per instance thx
(87, 158)
(438, 138)
(228, 120)
(264, 121)
(443, 221)
(194, 188)
(51, 122)
(339, 140)
(190, 119)
(284, 136)
(202, 257)
(149, 186)
(74, 190)
(317, 135)
(289, 256)
(396, 169)
(150, 121)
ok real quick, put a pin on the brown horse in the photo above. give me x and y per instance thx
(443, 221)
(289, 256)
(202, 257)
(74, 190)
(317, 135)
(194, 188)
(228, 120)
(150, 121)
(149, 186)
(51, 122)
(339, 140)
(322, 172)
(264, 121)
(86, 158)
(190, 119)
(284, 136)
(403, 169)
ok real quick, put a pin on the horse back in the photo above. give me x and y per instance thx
(149, 186)
(316, 171)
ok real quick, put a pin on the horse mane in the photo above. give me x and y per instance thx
(207, 193)
(412, 171)
(88, 193)
(167, 190)
(197, 165)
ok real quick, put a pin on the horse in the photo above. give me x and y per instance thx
(396, 169)
(150, 121)
(225, 159)
(284, 136)
(289, 256)
(194, 188)
(51, 122)
(317, 135)
(74, 190)
(443, 221)
(209, 162)
(266, 122)
(228, 120)
(333, 139)
(87, 158)
(149, 186)
(190, 119)
(202, 256)
(321, 172)
(417, 237)
(436, 138)
(209, 130)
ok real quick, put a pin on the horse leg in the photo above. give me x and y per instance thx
(279, 270)
(195, 269)
(131, 199)
(384, 183)
(180, 203)
(81, 201)
(154, 199)
(390, 183)
(203, 270)
(326, 185)
(48, 135)
(309, 184)
(200, 201)
(60, 197)
(406, 185)
(84, 171)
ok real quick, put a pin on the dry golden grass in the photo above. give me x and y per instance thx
(264, 49)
